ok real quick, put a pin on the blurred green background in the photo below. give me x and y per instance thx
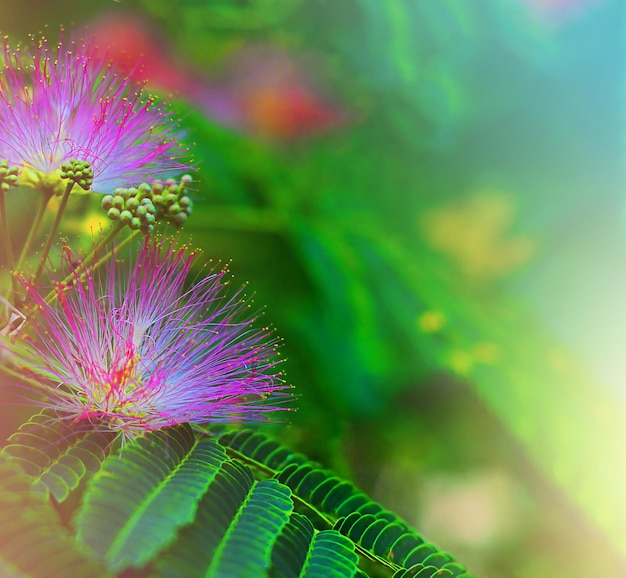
(428, 198)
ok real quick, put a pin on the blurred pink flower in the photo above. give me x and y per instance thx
(135, 348)
(261, 89)
(73, 102)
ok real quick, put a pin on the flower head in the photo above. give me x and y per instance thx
(71, 102)
(132, 346)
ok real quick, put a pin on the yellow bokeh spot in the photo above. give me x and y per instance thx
(431, 321)
(473, 233)
(461, 362)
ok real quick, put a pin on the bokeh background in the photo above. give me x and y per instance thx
(428, 197)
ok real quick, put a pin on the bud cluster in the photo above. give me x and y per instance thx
(79, 172)
(132, 207)
(171, 200)
(8, 176)
(140, 207)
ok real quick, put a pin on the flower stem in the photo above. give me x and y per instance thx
(53, 231)
(119, 246)
(34, 228)
(6, 238)
(89, 259)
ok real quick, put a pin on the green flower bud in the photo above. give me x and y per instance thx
(180, 218)
(113, 214)
(144, 189)
(126, 217)
(135, 223)
(118, 202)
(107, 202)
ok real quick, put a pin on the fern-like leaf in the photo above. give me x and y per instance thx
(301, 551)
(238, 522)
(33, 543)
(139, 499)
(56, 455)
(330, 555)
(261, 448)
(377, 533)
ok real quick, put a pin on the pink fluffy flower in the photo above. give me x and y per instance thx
(132, 347)
(72, 102)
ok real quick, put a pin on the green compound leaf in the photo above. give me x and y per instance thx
(137, 502)
(237, 525)
(261, 449)
(303, 552)
(330, 555)
(57, 455)
(421, 571)
(376, 533)
(33, 543)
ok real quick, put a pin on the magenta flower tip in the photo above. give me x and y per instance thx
(71, 101)
(132, 346)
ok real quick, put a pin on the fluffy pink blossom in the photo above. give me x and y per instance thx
(132, 347)
(72, 102)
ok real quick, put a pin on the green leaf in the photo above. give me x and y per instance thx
(56, 455)
(238, 522)
(33, 542)
(139, 499)
(376, 533)
(302, 551)
(292, 547)
(261, 448)
(421, 571)
(330, 555)
(253, 531)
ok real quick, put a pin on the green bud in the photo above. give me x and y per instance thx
(135, 223)
(141, 211)
(149, 218)
(180, 218)
(107, 202)
(132, 203)
(184, 201)
(174, 209)
(113, 214)
(118, 202)
(144, 189)
(126, 217)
